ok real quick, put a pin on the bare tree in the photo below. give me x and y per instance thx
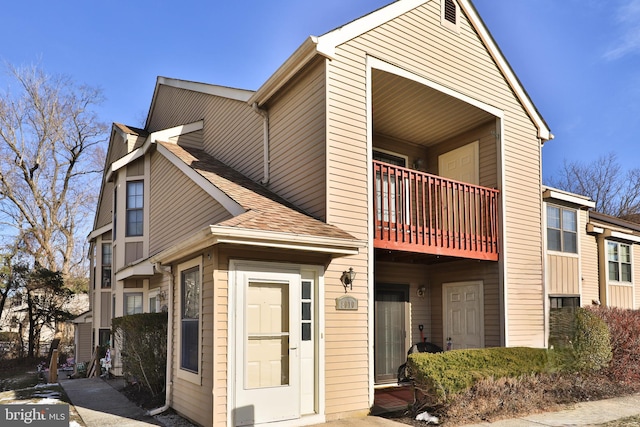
(615, 191)
(51, 156)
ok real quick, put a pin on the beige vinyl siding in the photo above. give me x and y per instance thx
(635, 274)
(192, 139)
(133, 252)
(563, 274)
(462, 63)
(297, 135)
(233, 132)
(188, 398)
(588, 264)
(104, 214)
(83, 351)
(620, 296)
(175, 215)
(105, 309)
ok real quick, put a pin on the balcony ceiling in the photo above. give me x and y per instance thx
(412, 112)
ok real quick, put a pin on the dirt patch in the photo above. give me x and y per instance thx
(491, 400)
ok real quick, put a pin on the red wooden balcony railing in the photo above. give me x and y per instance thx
(419, 212)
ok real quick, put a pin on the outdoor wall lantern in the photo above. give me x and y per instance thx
(347, 279)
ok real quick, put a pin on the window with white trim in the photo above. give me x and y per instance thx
(135, 208)
(106, 265)
(619, 262)
(562, 229)
(132, 303)
(190, 319)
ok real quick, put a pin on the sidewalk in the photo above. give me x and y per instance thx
(100, 405)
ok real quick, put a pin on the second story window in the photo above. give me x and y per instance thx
(619, 260)
(135, 205)
(562, 229)
(106, 265)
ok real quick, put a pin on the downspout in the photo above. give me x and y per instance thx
(265, 143)
(166, 271)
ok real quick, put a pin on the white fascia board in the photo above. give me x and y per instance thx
(144, 268)
(161, 135)
(242, 95)
(99, 231)
(254, 237)
(622, 236)
(213, 235)
(286, 71)
(233, 207)
(569, 197)
(166, 134)
(469, 10)
(328, 42)
(594, 229)
(401, 72)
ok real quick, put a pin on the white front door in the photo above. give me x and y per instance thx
(267, 383)
(464, 314)
(460, 164)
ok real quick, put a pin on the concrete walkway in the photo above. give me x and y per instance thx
(100, 405)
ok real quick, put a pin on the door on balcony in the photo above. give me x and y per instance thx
(460, 164)
(392, 201)
(464, 314)
(391, 315)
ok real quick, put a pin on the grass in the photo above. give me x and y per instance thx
(20, 386)
(625, 422)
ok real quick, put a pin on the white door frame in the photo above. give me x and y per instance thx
(239, 266)
(480, 285)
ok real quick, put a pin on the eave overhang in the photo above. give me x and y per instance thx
(215, 235)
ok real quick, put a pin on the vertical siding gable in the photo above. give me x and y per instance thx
(178, 207)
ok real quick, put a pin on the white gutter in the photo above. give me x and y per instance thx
(265, 142)
(166, 271)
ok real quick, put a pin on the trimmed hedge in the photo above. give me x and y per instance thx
(442, 375)
(142, 339)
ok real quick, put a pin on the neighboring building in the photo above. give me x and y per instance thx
(400, 146)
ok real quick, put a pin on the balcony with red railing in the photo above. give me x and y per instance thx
(422, 213)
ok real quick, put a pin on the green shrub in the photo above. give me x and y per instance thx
(442, 375)
(591, 342)
(142, 339)
(588, 348)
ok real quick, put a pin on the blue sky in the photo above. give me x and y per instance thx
(579, 60)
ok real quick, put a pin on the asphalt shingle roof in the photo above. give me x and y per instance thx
(265, 210)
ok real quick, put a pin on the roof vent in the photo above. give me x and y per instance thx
(450, 11)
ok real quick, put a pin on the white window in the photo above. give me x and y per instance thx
(190, 302)
(135, 206)
(132, 303)
(619, 262)
(562, 229)
(106, 265)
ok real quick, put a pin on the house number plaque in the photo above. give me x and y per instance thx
(346, 302)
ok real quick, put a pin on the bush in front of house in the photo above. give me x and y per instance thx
(587, 348)
(442, 375)
(142, 339)
(624, 327)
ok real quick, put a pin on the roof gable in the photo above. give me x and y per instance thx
(326, 45)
